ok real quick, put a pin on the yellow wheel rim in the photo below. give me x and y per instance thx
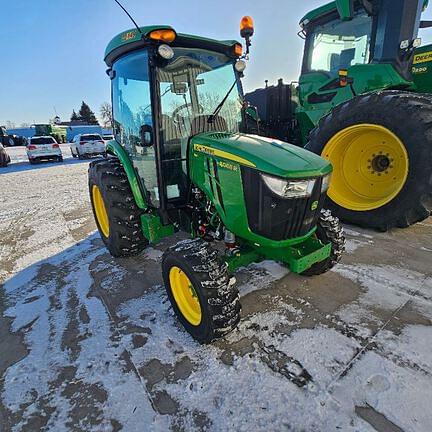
(100, 210)
(185, 296)
(370, 165)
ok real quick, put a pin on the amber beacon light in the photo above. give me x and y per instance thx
(165, 36)
(246, 27)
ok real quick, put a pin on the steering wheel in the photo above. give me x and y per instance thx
(175, 114)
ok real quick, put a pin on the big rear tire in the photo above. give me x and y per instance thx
(380, 146)
(116, 213)
(203, 296)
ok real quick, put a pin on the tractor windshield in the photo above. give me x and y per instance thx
(339, 44)
(192, 85)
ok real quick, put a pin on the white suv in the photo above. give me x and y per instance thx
(43, 148)
(85, 145)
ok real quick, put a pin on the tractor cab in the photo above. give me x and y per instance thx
(165, 92)
(353, 47)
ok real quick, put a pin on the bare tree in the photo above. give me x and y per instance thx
(106, 115)
(10, 124)
(24, 125)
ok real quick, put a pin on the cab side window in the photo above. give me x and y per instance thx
(132, 111)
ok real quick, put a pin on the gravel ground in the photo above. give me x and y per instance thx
(90, 343)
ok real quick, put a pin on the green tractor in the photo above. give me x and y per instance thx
(181, 161)
(361, 102)
(57, 132)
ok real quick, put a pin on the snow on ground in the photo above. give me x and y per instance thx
(43, 208)
(104, 352)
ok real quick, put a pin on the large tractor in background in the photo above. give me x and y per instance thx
(362, 103)
(57, 132)
(180, 162)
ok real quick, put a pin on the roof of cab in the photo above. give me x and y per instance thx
(318, 12)
(331, 7)
(132, 39)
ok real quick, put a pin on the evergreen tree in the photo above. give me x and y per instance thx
(87, 115)
(74, 116)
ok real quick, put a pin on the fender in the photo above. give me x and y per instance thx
(115, 149)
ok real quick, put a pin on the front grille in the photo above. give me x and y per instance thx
(277, 218)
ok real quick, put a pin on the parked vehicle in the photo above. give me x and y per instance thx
(189, 168)
(363, 102)
(43, 148)
(57, 132)
(107, 137)
(5, 139)
(4, 157)
(87, 145)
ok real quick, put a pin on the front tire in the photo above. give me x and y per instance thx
(380, 148)
(200, 290)
(329, 230)
(116, 213)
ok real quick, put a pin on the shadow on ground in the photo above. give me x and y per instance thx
(94, 345)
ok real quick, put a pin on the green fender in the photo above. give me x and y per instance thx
(115, 149)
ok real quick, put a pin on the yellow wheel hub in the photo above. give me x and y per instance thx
(185, 296)
(100, 210)
(370, 164)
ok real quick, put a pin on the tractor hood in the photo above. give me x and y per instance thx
(265, 154)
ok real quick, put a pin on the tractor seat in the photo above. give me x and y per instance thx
(170, 129)
(346, 57)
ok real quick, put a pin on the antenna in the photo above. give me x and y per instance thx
(130, 17)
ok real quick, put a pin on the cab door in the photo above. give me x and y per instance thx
(132, 109)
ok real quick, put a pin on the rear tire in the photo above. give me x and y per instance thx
(219, 300)
(329, 230)
(408, 118)
(121, 230)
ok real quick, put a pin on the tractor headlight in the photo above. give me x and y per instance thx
(166, 52)
(289, 188)
(325, 183)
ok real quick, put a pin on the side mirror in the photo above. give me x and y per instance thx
(252, 112)
(146, 135)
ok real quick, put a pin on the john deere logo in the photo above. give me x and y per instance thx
(314, 205)
(423, 58)
(128, 36)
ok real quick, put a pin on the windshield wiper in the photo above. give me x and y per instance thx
(221, 104)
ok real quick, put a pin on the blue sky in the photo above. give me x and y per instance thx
(52, 51)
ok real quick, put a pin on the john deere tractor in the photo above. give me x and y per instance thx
(361, 102)
(181, 161)
(57, 132)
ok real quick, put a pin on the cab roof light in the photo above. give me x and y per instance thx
(165, 36)
(238, 49)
